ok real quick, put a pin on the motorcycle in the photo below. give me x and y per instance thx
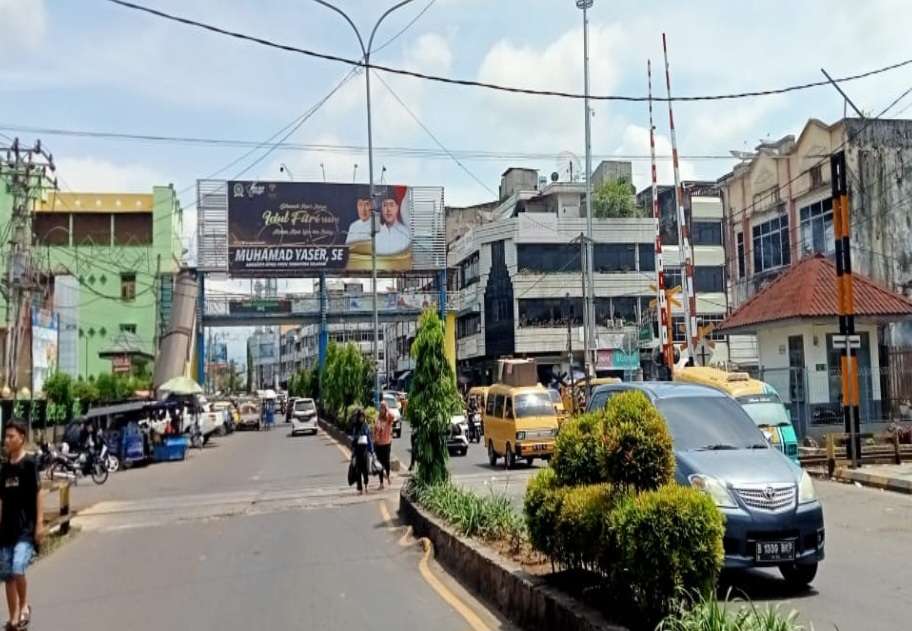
(67, 466)
(475, 427)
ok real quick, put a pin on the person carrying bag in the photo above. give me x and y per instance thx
(362, 449)
(383, 439)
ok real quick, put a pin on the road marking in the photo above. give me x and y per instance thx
(424, 569)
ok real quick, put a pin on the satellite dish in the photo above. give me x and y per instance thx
(555, 176)
(568, 166)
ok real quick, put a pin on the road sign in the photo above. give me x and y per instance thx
(671, 293)
(847, 341)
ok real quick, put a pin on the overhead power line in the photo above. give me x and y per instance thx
(402, 152)
(492, 86)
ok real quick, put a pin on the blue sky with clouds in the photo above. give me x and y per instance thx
(88, 64)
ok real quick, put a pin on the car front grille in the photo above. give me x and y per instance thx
(770, 497)
(539, 433)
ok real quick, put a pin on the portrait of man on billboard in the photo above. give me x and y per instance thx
(393, 236)
(360, 228)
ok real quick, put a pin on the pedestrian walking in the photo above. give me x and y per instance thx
(21, 522)
(362, 449)
(383, 440)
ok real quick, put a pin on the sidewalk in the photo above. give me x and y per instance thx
(890, 477)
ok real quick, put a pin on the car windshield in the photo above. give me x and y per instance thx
(709, 423)
(304, 406)
(533, 404)
(391, 402)
(555, 396)
(767, 411)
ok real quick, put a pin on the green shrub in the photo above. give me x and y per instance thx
(669, 542)
(581, 527)
(708, 614)
(577, 450)
(542, 506)
(487, 517)
(636, 451)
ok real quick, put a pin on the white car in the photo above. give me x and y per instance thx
(458, 438)
(304, 417)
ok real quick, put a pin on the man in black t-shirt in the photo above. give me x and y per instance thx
(21, 521)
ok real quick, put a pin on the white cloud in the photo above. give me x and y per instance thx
(635, 140)
(23, 24)
(91, 174)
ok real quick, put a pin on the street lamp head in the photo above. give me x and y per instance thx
(584, 4)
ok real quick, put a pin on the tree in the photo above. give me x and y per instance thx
(433, 399)
(614, 199)
(342, 381)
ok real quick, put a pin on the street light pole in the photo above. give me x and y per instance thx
(366, 52)
(589, 303)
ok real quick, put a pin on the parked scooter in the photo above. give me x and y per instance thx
(64, 465)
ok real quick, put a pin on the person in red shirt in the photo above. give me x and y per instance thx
(383, 440)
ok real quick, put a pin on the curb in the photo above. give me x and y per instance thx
(343, 439)
(526, 600)
(875, 481)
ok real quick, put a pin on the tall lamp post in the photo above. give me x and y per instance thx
(366, 52)
(585, 5)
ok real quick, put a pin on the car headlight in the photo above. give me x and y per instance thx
(806, 492)
(520, 435)
(714, 488)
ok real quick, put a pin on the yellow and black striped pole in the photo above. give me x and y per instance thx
(847, 340)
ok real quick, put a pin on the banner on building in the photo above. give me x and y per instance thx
(45, 337)
(259, 306)
(617, 359)
(300, 228)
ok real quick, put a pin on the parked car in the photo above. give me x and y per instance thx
(228, 411)
(304, 416)
(392, 403)
(772, 514)
(250, 416)
(458, 438)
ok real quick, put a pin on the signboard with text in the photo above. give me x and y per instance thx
(292, 229)
(45, 331)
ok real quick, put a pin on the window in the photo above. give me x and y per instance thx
(469, 271)
(550, 312)
(704, 319)
(548, 257)
(614, 257)
(468, 325)
(817, 227)
(708, 278)
(623, 308)
(51, 228)
(489, 406)
(498, 405)
(771, 244)
(672, 277)
(647, 257)
(128, 287)
(92, 229)
(707, 233)
(133, 229)
(128, 328)
(742, 271)
(816, 175)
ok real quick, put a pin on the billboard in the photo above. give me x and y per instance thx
(45, 328)
(302, 228)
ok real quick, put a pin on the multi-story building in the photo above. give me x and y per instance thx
(263, 357)
(778, 206)
(109, 260)
(516, 281)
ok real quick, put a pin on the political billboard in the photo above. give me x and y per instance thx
(302, 228)
(45, 331)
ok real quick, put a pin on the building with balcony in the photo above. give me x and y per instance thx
(109, 260)
(516, 282)
(778, 207)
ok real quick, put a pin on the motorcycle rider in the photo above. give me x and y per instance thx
(470, 415)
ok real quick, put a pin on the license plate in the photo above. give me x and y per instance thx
(775, 551)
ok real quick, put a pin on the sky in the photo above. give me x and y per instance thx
(90, 65)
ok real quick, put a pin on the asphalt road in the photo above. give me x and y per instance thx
(258, 531)
(864, 584)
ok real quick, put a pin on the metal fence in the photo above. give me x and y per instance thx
(813, 397)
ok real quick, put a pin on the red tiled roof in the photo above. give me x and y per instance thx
(808, 290)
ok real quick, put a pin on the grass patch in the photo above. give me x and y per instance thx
(490, 517)
(708, 614)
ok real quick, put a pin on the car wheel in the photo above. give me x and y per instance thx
(509, 457)
(798, 575)
(464, 451)
(113, 463)
(530, 461)
(492, 455)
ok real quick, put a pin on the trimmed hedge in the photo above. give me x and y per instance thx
(636, 451)
(541, 506)
(578, 450)
(583, 531)
(669, 542)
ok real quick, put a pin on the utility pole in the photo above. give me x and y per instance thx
(587, 333)
(847, 340)
(24, 171)
(588, 304)
(686, 254)
(570, 346)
